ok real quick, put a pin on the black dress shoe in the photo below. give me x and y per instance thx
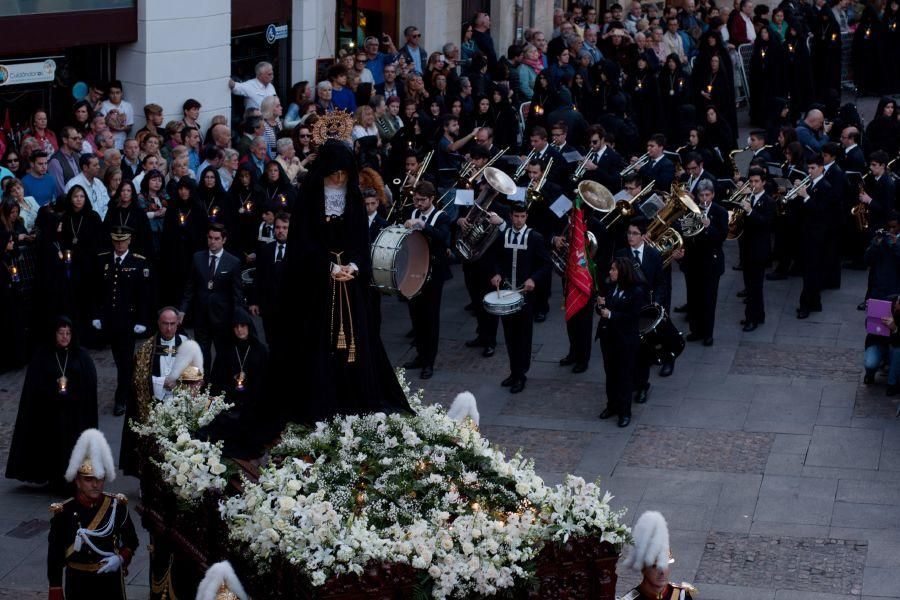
(411, 333)
(540, 317)
(861, 305)
(680, 309)
(488, 351)
(892, 390)
(693, 337)
(666, 369)
(776, 276)
(869, 378)
(415, 363)
(566, 361)
(476, 343)
(508, 381)
(579, 368)
(469, 307)
(426, 373)
(607, 413)
(751, 326)
(624, 421)
(118, 410)
(802, 313)
(742, 294)
(708, 342)
(517, 386)
(641, 397)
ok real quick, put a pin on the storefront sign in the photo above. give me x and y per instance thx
(32, 72)
(276, 32)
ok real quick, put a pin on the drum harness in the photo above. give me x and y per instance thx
(522, 244)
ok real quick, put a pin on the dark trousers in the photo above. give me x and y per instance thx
(785, 231)
(478, 283)
(754, 276)
(813, 265)
(517, 332)
(618, 364)
(702, 295)
(580, 329)
(273, 326)
(425, 314)
(121, 342)
(831, 259)
(208, 337)
(542, 293)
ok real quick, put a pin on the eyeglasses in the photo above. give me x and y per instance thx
(416, 35)
(304, 135)
(634, 233)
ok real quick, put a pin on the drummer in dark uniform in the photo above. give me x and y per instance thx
(522, 261)
(92, 538)
(652, 556)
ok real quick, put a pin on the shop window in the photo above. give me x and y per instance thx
(358, 19)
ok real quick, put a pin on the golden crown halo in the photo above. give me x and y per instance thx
(335, 125)
(225, 594)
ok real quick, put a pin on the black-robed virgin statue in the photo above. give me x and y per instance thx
(343, 366)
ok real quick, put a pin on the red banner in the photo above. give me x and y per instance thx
(579, 282)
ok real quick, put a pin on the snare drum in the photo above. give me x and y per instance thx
(504, 302)
(400, 261)
(660, 339)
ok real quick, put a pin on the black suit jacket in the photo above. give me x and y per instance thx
(765, 155)
(268, 281)
(531, 263)
(704, 175)
(123, 297)
(837, 179)
(757, 237)
(651, 267)
(379, 89)
(814, 213)
(663, 172)
(437, 231)
(213, 307)
(129, 173)
(621, 331)
(378, 223)
(607, 172)
(884, 200)
(703, 252)
(854, 160)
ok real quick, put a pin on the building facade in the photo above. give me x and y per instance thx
(165, 51)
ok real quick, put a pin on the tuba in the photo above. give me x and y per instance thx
(661, 234)
(860, 210)
(479, 233)
(598, 198)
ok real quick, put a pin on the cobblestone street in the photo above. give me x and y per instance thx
(777, 470)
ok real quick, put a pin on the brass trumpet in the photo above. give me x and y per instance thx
(795, 191)
(582, 167)
(533, 193)
(636, 166)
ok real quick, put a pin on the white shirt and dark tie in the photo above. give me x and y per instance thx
(280, 249)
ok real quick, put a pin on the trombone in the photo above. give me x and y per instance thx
(582, 167)
(636, 166)
(533, 193)
(469, 175)
(520, 170)
(625, 208)
(406, 190)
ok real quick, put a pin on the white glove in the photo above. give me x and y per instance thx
(96, 324)
(139, 329)
(111, 564)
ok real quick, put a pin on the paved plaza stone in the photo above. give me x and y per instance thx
(777, 470)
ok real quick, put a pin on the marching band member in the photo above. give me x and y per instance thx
(837, 213)
(657, 286)
(703, 264)
(759, 210)
(651, 555)
(659, 169)
(546, 223)
(425, 308)
(92, 537)
(881, 195)
(543, 152)
(694, 172)
(620, 336)
(521, 260)
(605, 166)
(757, 142)
(814, 200)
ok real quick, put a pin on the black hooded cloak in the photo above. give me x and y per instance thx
(325, 381)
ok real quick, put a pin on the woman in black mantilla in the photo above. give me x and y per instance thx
(345, 367)
(59, 401)
(240, 372)
(184, 232)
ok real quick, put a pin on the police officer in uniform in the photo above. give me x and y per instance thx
(121, 307)
(521, 261)
(652, 556)
(92, 538)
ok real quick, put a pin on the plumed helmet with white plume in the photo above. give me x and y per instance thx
(464, 405)
(221, 583)
(91, 457)
(651, 542)
(188, 364)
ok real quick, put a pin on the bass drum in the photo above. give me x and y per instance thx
(401, 261)
(660, 339)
